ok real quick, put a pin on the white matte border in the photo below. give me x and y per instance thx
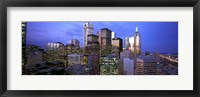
(182, 81)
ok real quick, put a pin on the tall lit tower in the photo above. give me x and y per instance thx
(137, 43)
(87, 30)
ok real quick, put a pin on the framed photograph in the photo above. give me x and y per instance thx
(99, 48)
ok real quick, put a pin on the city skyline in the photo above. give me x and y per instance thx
(156, 36)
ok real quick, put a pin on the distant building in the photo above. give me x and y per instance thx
(93, 44)
(105, 41)
(34, 55)
(53, 46)
(77, 59)
(71, 49)
(76, 69)
(105, 37)
(126, 63)
(117, 42)
(137, 43)
(126, 43)
(75, 42)
(131, 42)
(88, 29)
(146, 65)
(55, 52)
(128, 66)
(93, 62)
(35, 58)
(74, 59)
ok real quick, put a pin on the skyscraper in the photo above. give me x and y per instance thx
(117, 46)
(105, 37)
(137, 43)
(87, 30)
(105, 41)
(126, 43)
(92, 44)
(131, 42)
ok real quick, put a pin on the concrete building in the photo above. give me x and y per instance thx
(131, 42)
(128, 66)
(93, 63)
(105, 36)
(126, 43)
(75, 42)
(105, 41)
(146, 65)
(53, 46)
(55, 52)
(77, 59)
(71, 48)
(93, 44)
(126, 63)
(88, 29)
(117, 42)
(74, 59)
(35, 55)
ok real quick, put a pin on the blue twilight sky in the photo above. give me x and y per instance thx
(155, 36)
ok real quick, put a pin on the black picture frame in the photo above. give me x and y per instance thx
(98, 3)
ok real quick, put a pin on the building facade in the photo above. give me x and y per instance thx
(146, 65)
(117, 46)
(126, 43)
(137, 43)
(53, 46)
(126, 63)
(88, 29)
(105, 41)
(75, 42)
(92, 44)
(105, 37)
